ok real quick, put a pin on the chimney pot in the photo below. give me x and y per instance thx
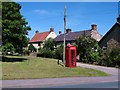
(94, 27)
(118, 19)
(60, 32)
(36, 31)
(68, 30)
(51, 29)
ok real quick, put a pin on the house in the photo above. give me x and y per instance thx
(112, 38)
(72, 36)
(39, 38)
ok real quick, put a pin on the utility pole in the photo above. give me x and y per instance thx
(64, 35)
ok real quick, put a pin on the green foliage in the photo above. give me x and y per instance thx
(26, 52)
(49, 44)
(32, 48)
(112, 58)
(87, 47)
(45, 53)
(14, 26)
(7, 48)
(59, 52)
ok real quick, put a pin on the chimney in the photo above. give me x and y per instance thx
(60, 32)
(94, 27)
(68, 30)
(36, 31)
(118, 19)
(51, 29)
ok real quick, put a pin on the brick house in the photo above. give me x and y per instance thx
(38, 39)
(112, 38)
(72, 36)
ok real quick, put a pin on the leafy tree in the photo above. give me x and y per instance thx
(49, 44)
(32, 48)
(59, 52)
(88, 49)
(14, 26)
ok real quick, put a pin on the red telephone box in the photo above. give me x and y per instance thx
(70, 56)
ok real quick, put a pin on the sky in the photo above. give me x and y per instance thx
(80, 16)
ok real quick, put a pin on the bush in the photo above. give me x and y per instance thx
(59, 53)
(45, 53)
(114, 57)
(49, 44)
(26, 52)
(32, 48)
(88, 49)
(110, 58)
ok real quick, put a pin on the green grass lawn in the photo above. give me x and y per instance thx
(42, 68)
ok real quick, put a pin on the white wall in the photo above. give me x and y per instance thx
(51, 35)
(96, 35)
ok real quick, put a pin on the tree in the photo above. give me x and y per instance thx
(59, 52)
(32, 48)
(88, 49)
(49, 44)
(14, 26)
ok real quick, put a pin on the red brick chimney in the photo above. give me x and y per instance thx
(94, 27)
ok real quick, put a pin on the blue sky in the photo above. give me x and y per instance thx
(80, 15)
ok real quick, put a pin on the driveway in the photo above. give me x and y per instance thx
(64, 82)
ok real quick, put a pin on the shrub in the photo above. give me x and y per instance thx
(32, 48)
(114, 57)
(59, 52)
(26, 52)
(49, 44)
(88, 49)
(110, 58)
(45, 53)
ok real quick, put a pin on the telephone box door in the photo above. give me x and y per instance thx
(70, 56)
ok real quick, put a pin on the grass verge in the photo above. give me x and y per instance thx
(37, 67)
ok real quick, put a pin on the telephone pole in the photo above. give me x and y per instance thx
(64, 35)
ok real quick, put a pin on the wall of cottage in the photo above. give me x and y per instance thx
(96, 35)
(112, 39)
(51, 35)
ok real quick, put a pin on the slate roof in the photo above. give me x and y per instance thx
(38, 37)
(73, 35)
(111, 30)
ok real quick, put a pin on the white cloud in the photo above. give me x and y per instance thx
(41, 11)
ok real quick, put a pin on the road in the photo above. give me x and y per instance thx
(70, 82)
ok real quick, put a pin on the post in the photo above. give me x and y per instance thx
(64, 35)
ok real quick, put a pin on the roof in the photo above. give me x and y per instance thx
(73, 35)
(109, 31)
(38, 37)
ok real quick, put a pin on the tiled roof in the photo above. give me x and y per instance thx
(38, 37)
(73, 35)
